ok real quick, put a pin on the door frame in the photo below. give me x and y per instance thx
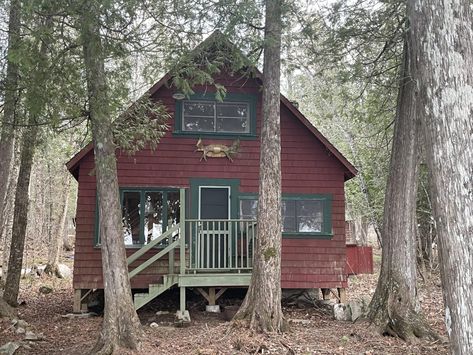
(232, 184)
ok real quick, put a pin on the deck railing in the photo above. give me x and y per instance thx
(225, 245)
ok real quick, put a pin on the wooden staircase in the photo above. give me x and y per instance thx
(140, 299)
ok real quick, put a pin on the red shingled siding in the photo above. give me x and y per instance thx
(307, 168)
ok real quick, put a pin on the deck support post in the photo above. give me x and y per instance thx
(182, 299)
(325, 293)
(79, 306)
(182, 248)
(342, 295)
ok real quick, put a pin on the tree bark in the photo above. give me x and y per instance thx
(393, 308)
(20, 215)
(262, 305)
(9, 107)
(121, 326)
(55, 242)
(9, 206)
(443, 40)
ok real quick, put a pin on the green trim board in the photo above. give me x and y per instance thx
(212, 280)
(230, 97)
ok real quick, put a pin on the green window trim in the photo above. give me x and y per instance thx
(327, 232)
(230, 97)
(142, 191)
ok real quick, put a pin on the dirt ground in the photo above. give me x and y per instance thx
(312, 329)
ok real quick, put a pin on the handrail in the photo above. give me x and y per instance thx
(148, 262)
(151, 244)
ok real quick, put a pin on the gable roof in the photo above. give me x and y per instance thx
(73, 164)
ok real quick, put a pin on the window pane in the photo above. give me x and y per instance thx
(248, 209)
(198, 124)
(232, 110)
(227, 124)
(289, 216)
(198, 108)
(131, 217)
(153, 218)
(173, 208)
(310, 216)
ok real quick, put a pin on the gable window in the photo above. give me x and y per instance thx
(208, 116)
(203, 115)
(302, 214)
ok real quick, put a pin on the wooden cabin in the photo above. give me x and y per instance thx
(189, 206)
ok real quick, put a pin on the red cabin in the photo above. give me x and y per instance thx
(189, 206)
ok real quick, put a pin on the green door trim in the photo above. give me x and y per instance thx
(196, 183)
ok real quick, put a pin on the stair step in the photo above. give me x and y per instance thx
(140, 299)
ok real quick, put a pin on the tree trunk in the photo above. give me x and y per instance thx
(9, 206)
(9, 106)
(121, 326)
(20, 215)
(393, 308)
(443, 43)
(262, 304)
(55, 243)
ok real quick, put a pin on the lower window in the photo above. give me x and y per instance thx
(147, 214)
(306, 214)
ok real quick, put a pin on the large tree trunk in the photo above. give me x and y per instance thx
(55, 242)
(9, 106)
(8, 209)
(393, 308)
(443, 40)
(20, 215)
(121, 326)
(262, 304)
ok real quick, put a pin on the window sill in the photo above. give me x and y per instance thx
(307, 235)
(211, 135)
(137, 246)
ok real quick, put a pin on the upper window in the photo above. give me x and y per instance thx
(203, 115)
(301, 215)
(208, 116)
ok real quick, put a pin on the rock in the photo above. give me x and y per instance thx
(20, 330)
(21, 323)
(45, 290)
(342, 312)
(300, 321)
(356, 309)
(154, 325)
(212, 308)
(9, 348)
(183, 317)
(161, 313)
(64, 271)
(33, 337)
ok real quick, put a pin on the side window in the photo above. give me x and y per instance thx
(311, 215)
(248, 208)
